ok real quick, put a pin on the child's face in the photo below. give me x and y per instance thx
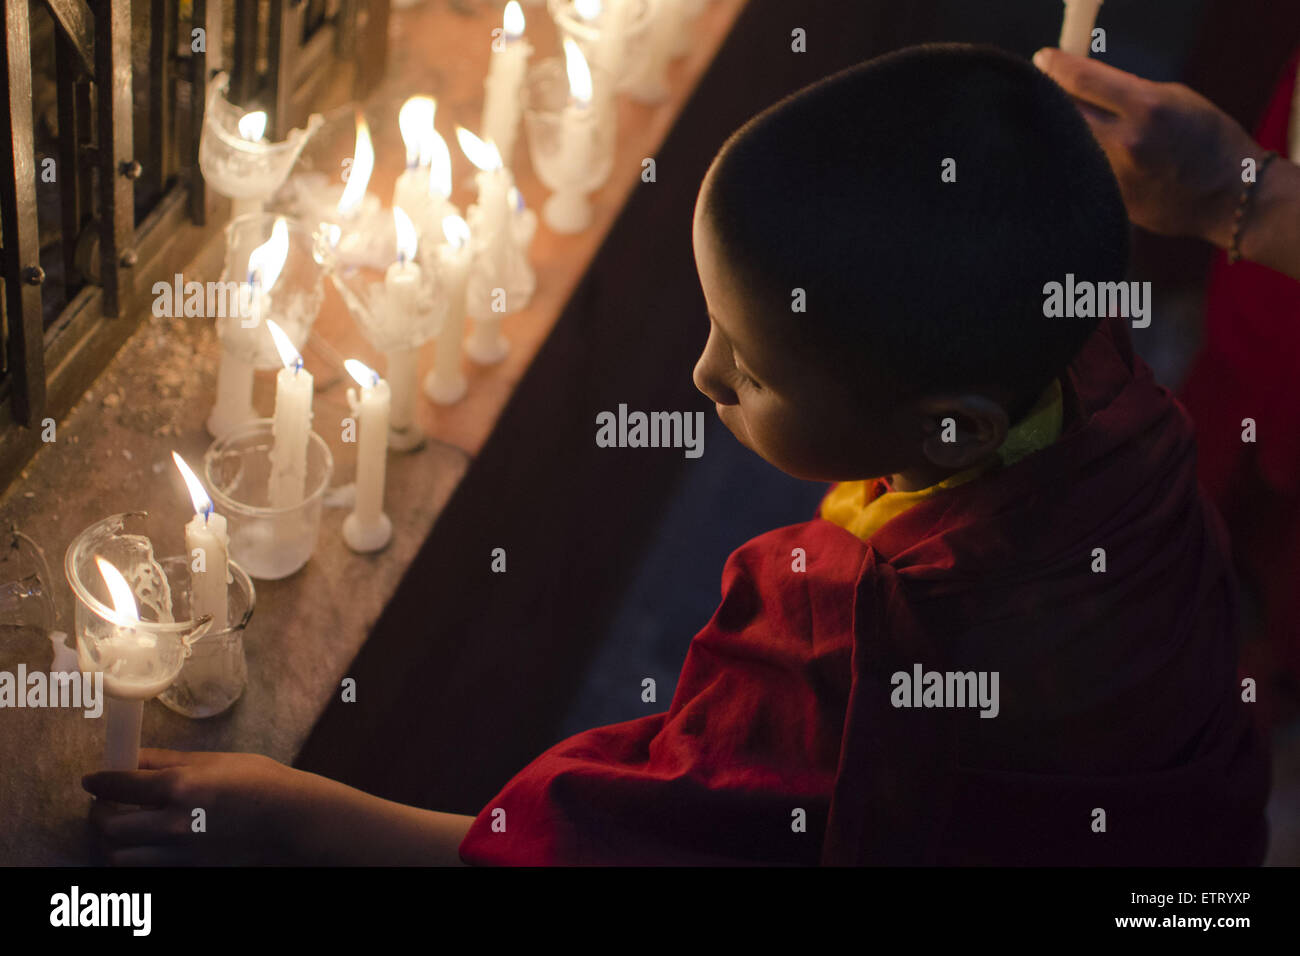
(778, 402)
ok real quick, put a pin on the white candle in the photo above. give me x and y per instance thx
(252, 126)
(613, 37)
(504, 84)
(415, 120)
(207, 544)
(234, 375)
(402, 285)
(121, 656)
(567, 211)
(493, 203)
(358, 173)
(291, 427)
(367, 528)
(649, 83)
(402, 280)
(1076, 28)
(446, 383)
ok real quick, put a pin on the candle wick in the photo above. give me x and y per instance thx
(297, 365)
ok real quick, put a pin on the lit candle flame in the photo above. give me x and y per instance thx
(288, 354)
(252, 126)
(267, 260)
(363, 164)
(407, 238)
(456, 230)
(575, 64)
(119, 591)
(439, 166)
(513, 20)
(482, 153)
(364, 375)
(415, 120)
(516, 199)
(587, 9)
(202, 503)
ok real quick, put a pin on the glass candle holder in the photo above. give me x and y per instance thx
(215, 674)
(269, 543)
(397, 325)
(138, 658)
(293, 301)
(27, 612)
(571, 146)
(620, 61)
(247, 171)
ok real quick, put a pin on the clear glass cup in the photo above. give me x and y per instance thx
(269, 543)
(239, 168)
(571, 147)
(635, 48)
(215, 674)
(139, 658)
(27, 611)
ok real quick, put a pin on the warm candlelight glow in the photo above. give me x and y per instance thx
(482, 154)
(288, 354)
(267, 260)
(363, 164)
(587, 9)
(364, 375)
(456, 230)
(439, 166)
(407, 238)
(513, 20)
(415, 120)
(120, 592)
(252, 126)
(202, 503)
(575, 64)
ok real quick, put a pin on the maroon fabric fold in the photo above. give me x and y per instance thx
(1116, 689)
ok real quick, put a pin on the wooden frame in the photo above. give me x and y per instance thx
(48, 369)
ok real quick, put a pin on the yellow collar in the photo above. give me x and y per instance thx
(847, 503)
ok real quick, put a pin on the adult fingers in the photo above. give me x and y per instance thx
(1093, 81)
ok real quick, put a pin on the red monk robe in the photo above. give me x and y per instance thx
(1248, 369)
(1117, 688)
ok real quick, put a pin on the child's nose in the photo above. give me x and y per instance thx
(708, 381)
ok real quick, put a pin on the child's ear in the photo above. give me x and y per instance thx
(960, 431)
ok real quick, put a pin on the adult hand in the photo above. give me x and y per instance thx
(1177, 156)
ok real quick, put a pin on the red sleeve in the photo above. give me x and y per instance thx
(741, 767)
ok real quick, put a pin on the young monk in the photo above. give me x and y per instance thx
(1008, 637)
